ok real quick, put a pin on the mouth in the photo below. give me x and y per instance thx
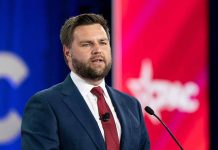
(97, 60)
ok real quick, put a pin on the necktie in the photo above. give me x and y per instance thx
(107, 120)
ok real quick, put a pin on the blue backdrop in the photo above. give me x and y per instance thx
(31, 57)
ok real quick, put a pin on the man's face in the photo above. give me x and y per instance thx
(90, 52)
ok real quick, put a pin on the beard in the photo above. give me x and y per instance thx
(86, 71)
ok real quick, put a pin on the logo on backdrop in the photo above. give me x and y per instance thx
(15, 71)
(163, 94)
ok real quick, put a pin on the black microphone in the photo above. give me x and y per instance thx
(151, 112)
(105, 117)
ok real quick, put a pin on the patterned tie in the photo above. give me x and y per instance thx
(107, 120)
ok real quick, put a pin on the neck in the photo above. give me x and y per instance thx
(94, 82)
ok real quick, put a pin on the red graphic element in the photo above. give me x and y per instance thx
(173, 36)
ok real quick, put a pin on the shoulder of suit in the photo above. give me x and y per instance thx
(49, 92)
(122, 94)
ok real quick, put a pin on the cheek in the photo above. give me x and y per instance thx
(108, 56)
(79, 55)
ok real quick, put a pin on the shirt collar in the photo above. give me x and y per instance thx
(83, 86)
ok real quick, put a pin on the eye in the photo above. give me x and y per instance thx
(85, 44)
(103, 43)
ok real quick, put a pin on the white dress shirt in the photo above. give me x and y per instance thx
(91, 100)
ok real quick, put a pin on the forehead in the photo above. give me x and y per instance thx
(89, 31)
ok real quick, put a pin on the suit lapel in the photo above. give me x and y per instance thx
(122, 114)
(74, 100)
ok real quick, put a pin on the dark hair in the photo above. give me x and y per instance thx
(69, 26)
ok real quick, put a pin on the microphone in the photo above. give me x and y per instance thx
(151, 112)
(105, 117)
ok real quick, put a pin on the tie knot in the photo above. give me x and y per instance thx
(97, 91)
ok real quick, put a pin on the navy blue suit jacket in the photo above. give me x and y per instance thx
(59, 119)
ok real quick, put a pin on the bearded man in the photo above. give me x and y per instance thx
(82, 112)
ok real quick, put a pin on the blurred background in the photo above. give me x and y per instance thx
(165, 53)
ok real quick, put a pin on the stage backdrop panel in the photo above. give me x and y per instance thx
(161, 57)
(30, 58)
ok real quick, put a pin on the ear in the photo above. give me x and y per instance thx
(67, 53)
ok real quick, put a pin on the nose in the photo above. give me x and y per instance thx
(96, 49)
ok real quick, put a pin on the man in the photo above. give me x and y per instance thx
(82, 112)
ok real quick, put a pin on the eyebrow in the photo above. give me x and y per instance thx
(104, 39)
(90, 41)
